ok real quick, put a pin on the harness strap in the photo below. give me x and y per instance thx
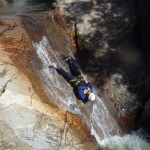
(73, 80)
(76, 81)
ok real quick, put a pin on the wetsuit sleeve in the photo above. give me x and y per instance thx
(81, 94)
(90, 86)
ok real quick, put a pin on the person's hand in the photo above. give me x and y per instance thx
(89, 89)
(85, 91)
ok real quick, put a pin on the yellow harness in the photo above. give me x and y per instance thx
(77, 81)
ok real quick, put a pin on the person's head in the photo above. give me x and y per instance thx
(91, 97)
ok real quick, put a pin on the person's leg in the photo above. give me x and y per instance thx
(67, 76)
(73, 68)
(63, 73)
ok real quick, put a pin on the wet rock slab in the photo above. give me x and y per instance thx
(27, 121)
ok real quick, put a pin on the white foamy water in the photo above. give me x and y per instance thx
(103, 119)
(127, 142)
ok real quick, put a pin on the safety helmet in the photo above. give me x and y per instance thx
(91, 97)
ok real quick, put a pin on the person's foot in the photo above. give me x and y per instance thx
(67, 58)
(53, 65)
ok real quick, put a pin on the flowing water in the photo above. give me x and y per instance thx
(95, 115)
(127, 142)
(24, 6)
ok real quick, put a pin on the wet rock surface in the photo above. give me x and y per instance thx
(105, 40)
(28, 118)
(50, 48)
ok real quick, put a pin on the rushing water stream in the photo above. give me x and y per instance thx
(95, 115)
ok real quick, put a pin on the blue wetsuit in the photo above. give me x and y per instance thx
(79, 89)
(76, 80)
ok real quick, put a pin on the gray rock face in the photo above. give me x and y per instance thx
(9, 140)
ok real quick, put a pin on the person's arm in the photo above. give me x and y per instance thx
(80, 92)
(89, 85)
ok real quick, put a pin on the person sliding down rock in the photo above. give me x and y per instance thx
(82, 90)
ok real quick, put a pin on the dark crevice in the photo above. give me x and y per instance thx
(76, 35)
(3, 89)
(5, 85)
(142, 36)
(9, 28)
(62, 131)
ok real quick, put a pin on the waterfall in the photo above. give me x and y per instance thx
(98, 119)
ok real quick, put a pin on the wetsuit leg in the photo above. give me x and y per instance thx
(67, 76)
(73, 68)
